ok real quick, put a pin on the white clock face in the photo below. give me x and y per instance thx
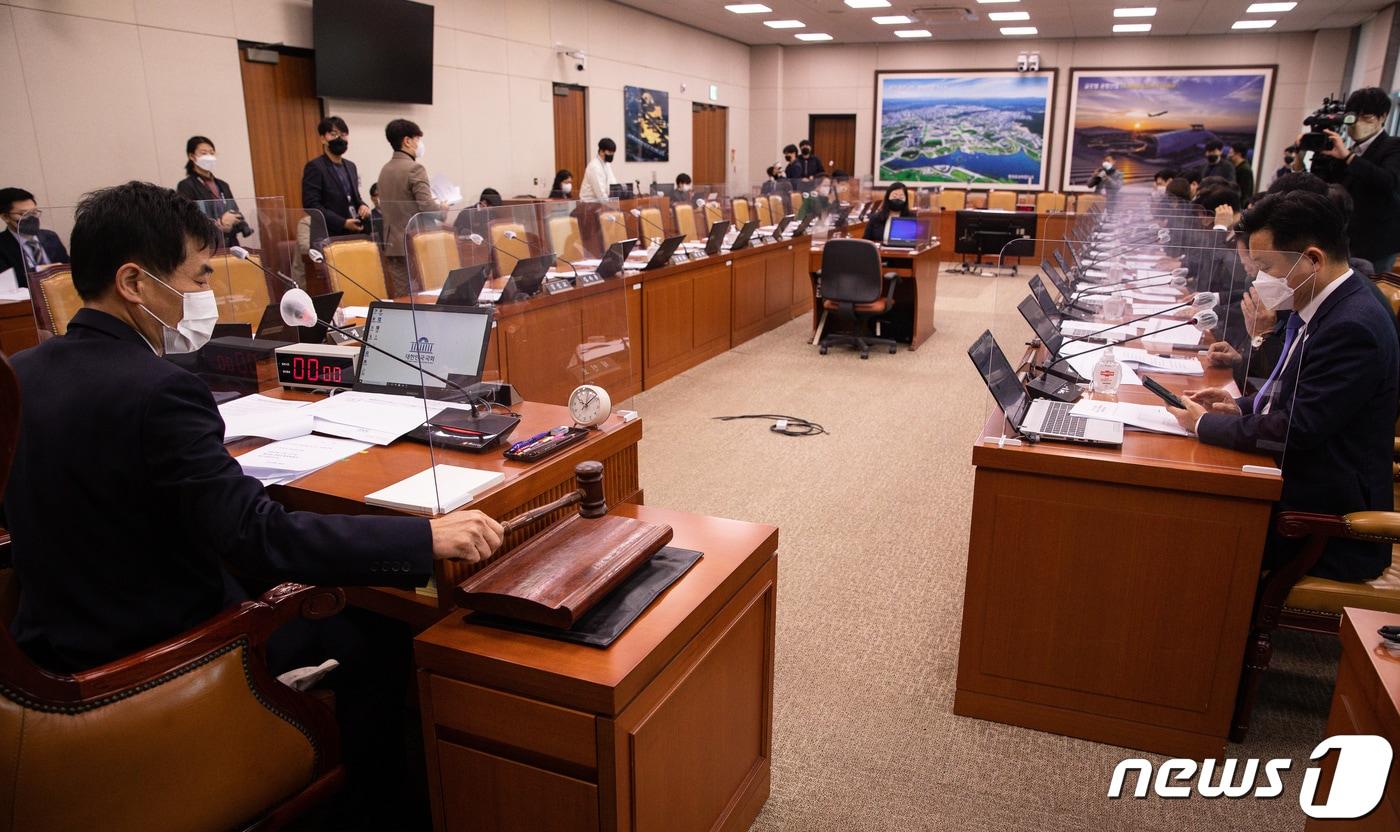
(590, 405)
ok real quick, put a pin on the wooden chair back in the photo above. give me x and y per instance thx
(241, 288)
(358, 258)
(433, 254)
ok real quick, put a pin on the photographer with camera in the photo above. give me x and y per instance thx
(212, 195)
(1369, 169)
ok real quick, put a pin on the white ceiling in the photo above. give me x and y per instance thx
(1053, 18)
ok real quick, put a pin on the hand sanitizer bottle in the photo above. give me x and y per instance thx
(1107, 373)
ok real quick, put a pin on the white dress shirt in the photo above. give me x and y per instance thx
(597, 180)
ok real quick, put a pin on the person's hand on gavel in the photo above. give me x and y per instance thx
(465, 535)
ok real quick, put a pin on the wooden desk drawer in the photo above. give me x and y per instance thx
(485, 793)
(501, 719)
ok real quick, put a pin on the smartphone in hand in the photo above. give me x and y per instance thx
(1163, 393)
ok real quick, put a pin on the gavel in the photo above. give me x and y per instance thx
(592, 503)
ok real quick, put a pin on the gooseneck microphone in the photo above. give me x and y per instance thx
(1200, 300)
(1204, 320)
(243, 254)
(660, 232)
(320, 259)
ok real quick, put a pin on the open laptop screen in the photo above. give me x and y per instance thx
(1000, 377)
(449, 341)
(903, 230)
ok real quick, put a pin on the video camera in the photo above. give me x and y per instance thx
(1332, 115)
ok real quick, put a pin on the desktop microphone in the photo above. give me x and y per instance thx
(660, 233)
(1176, 280)
(509, 235)
(242, 254)
(1201, 300)
(1163, 236)
(320, 259)
(1205, 320)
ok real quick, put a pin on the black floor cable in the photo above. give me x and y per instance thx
(786, 425)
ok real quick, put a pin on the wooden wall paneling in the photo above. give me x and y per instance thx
(571, 151)
(709, 147)
(834, 140)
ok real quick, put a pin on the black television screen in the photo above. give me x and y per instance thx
(381, 50)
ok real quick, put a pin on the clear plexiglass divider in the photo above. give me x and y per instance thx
(1142, 292)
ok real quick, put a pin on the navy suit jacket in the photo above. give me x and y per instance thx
(124, 506)
(1332, 424)
(12, 258)
(321, 189)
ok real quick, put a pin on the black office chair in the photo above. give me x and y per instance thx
(851, 283)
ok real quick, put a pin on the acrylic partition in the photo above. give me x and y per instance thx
(1137, 292)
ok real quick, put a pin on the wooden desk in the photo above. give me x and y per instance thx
(1109, 591)
(18, 329)
(670, 728)
(911, 321)
(1366, 701)
(1049, 231)
(341, 489)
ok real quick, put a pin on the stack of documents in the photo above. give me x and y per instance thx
(290, 459)
(377, 418)
(436, 490)
(1161, 363)
(264, 416)
(1148, 417)
(10, 288)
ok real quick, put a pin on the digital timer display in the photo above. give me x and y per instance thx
(309, 368)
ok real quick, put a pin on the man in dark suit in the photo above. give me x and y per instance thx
(127, 513)
(331, 184)
(1370, 171)
(1244, 173)
(812, 166)
(1327, 411)
(24, 246)
(794, 170)
(1215, 164)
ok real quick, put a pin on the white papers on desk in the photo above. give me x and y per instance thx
(378, 418)
(591, 263)
(428, 293)
(435, 490)
(1161, 363)
(292, 459)
(264, 416)
(1163, 290)
(1148, 417)
(1152, 308)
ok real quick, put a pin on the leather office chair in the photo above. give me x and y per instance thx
(613, 226)
(565, 236)
(1002, 200)
(740, 209)
(713, 214)
(795, 199)
(192, 734)
(1047, 201)
(508, 251)
(241, 288)
(764, 210)
(685, 221)
(1088, 202)
(851, 281)
(358, 258)
(777, 206)
(951, 200)
(431, 255)
(650, 226)
(1289, 597)
(58, 301)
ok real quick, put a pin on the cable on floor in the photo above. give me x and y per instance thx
(786, 425)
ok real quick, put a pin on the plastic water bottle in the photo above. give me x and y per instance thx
(1115, 308)
(1107, 373)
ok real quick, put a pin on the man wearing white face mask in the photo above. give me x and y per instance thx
(128, 516)
(1370, 171)
(403, 192)
(1108, 179)
(1327, 410)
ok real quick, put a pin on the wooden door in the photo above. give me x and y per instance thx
(834, 140)
(570, 133)
(710, 144)
(283, 110)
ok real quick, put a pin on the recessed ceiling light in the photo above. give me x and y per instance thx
(1266, 8)
(1008, 16)
(1018, 30)
(784, 24)
(867, 4)
(813, 36)
(892, 19)
(1253, 24)
(1132, 27)
(913, 33)
(748, 8)
(1136, 11)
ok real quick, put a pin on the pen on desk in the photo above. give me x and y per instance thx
(522, 443)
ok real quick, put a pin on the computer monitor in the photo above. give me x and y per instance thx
(463, 286)
(1000, 376)
(905, 232)
(448, 341)
(715, 240)
(529, 272)
(1042, 297)
(742, 241)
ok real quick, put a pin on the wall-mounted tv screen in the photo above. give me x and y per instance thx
(379, 50)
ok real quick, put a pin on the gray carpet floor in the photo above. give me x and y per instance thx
(873, 525)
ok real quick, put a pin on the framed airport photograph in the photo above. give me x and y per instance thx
(647, 128)
(1155, 119)
(963, 128)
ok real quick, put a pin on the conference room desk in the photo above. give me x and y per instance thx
(669, 729)
(1049, 230)
(911, 321)
(1109, 590)
(1365, 701)
(341, 488)
(18, 329)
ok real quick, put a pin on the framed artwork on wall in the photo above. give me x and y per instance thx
(647, 127)
(963, 128)
(1156, 119)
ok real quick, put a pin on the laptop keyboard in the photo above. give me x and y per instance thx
(1059, 422)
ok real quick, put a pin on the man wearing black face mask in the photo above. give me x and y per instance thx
(811, 163)
(793, 171)
(1289, 154)
(331, 184)
(1216, 164)
(25, 246)
(598, 177)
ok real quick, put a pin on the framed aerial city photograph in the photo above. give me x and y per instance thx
(1162, 118)
(647, 128)
(963, 128)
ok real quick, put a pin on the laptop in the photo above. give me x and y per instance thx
(782, 225)
(1048, 333)
(903, 232)
(1062, 283)
(802, 226)
(615, 257)
(715, 241)
(449, 341)
(842, 215)
(463, 286)
(664, 252)
(864, 211)
(1047, 304)
(529, 272)
(1031, 416)
(272, 328)
(745, 233)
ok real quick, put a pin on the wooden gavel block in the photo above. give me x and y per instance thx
(561, 573)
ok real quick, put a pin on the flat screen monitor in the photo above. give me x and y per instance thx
(375, 50)
(448, 341)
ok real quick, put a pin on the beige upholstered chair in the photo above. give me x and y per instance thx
(950, 199)
(58, 301)
(565, 237)
(613, 226)
(432, 254)
(241, 288)
(1002, 201)
(685, 221)
(358, 258)
(508, 251)
(740, 209)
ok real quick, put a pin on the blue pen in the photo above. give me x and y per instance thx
(522, 443)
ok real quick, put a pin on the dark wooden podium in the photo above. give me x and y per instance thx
(669, 729)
